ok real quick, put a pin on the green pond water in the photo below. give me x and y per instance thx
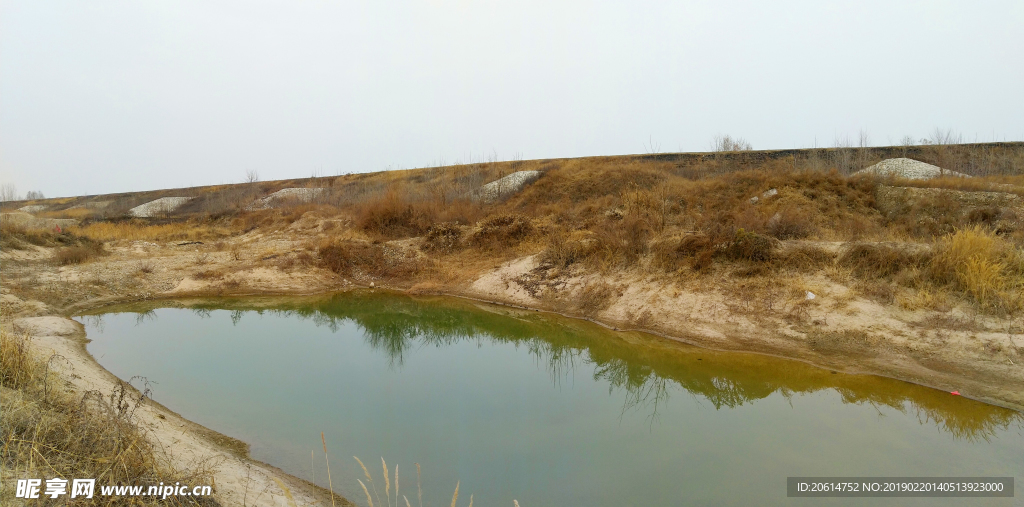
(528, 406)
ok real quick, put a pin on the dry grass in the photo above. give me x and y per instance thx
(874, 261)
(983, 265)
(78, 254)
(396, 212)
(399, 499)
(47, 431)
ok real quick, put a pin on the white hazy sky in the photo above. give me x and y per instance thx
(103, 96)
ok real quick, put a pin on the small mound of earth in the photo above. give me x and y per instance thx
(285, 194)
(35, 208)
(161, 205)
(506, 186)
(908, 168)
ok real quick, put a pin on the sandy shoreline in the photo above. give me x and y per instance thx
(238, 479)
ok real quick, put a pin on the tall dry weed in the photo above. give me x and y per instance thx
(982, 264)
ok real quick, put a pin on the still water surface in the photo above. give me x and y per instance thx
(543, 409)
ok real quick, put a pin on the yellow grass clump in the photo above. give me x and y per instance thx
(982, 264)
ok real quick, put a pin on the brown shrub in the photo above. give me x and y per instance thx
(749, 246)
(564, 250)
(357, 258)
(700, 250)
(502, 231)
(694, 245)
(444, 237)
(394, 215)
(342, 257)
(694, 250)
(622, 242)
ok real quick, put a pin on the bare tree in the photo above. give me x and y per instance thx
(906, 143)
(251, 176)
(944, 137)
(34, 194)
(728, 143)
(8, 192)
(863, 139)
(651, 147)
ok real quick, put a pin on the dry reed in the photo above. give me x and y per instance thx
(329, 481)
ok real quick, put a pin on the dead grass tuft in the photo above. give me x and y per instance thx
(749, 246)
(807, 258)
(593, 298)
(872, 261)
(78, 254)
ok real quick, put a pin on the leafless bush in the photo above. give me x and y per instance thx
(727, 143)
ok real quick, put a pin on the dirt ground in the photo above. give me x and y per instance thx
(813, 319)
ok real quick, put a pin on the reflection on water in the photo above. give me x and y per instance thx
(641, 366)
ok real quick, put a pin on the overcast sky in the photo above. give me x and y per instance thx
(99, 97)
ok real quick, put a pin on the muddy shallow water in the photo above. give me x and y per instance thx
(547, 410)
